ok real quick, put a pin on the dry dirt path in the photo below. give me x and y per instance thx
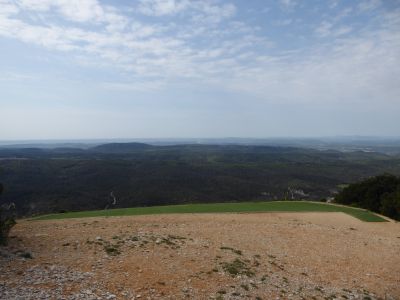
(203, 256)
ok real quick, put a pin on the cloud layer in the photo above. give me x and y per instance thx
(210, 44)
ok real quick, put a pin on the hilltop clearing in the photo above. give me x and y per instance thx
(203, 256)
(238, 207)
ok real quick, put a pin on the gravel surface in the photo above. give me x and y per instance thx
(203, 256)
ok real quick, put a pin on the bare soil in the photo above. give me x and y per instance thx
(203, 256)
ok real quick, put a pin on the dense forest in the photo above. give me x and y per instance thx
(380, 194)
(135, 174)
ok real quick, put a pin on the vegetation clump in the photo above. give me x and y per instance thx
(25, 254)
(237, 267)
(379, 194)
(112, 250)
(238, 252)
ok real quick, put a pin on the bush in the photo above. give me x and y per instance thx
(7, 220)
(6, 223)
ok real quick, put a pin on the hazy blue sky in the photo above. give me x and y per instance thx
(209, 68)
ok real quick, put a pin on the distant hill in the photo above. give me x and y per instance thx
(120, 147)
(386, 145)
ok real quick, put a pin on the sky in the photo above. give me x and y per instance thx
(81, 69)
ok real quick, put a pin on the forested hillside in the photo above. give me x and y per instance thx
(67, 179)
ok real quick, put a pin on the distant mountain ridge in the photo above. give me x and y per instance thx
(387, 145)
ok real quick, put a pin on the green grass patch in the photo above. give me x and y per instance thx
(274, 206)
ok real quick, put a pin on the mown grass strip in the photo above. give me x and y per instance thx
(275, 206)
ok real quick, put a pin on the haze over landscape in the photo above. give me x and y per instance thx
(179, 68)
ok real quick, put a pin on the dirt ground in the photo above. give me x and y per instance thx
(203, 256)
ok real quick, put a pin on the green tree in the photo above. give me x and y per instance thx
(7, 220)
(390, 205)
(380, 194)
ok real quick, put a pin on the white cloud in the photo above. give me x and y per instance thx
(140, 30)
(324, 29)
(283, 22)
(288, 4)
(16, 77)
(366, 5)
(333, 3)
(75, 10)
(145, 49)
(353, 70)
(7, 8)
(203, 10)
(162, 7)
(80, 11)
(344, 13)
(137, 85)
(39, 5)
(214, 13)
(327, 29)
(342, 30)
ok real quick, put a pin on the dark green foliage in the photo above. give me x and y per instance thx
(7, 221)
(380, 194)
(390, 204)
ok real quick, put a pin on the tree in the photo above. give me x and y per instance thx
(380, 194)
(390, 205)
(7, 219)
